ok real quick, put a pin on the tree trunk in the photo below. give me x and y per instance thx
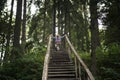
(82, 29)
(17, 29)
(78, 36)
(24, 27)
(65, 21)
(85, 13)
(44, 26)
(95, 42)
(69, 26)
(54, 21)
(54, 17)
(61, 20)
(65, 16)
(7, 53)
(2, 49)
(59, 9)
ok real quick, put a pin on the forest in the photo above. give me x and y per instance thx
(93, 27)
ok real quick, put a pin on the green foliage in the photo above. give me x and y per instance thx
(2, 5)
(108, 61)
(114, 48)
(4, 23)
(86, 57)
(109, 74)
(28, 67)
(111, 18)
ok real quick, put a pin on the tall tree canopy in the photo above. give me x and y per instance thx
(24, 34)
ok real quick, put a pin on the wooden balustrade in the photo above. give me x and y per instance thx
(82, 71)
(46, 62)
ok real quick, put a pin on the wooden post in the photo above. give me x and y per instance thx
(79, 66)
(76, 67)
(69, 50)
(88, 78)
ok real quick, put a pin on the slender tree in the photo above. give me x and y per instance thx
(54, 16)
(86, 26)
(24, 26)
(9, 32)
(44, 26)
(95, 42)
(54, 19)
(2, 49)
(17, 29)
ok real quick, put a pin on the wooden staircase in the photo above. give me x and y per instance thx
(61, 67)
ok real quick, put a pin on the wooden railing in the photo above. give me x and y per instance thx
(46, 62)
(82, 71)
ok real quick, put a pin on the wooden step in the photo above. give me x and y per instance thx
(63, 79)
(60, 56)
(60, 61)
(61, 67)
(61, 64)
(61, 75)
(61, 72)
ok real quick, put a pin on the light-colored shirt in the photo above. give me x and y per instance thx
(58, 39)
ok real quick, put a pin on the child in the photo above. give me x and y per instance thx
(58, 41)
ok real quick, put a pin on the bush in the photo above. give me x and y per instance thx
(29, 67)
(108, 62)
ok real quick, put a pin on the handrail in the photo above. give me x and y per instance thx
(45, 68)
(90, 76)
